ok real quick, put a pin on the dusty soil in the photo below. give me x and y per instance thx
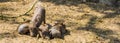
(86, 22)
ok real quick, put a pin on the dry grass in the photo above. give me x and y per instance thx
(87, 23)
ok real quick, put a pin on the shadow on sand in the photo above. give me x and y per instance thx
(99, 32)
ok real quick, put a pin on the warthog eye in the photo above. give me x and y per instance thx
(26, 27)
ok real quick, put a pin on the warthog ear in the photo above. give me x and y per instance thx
(59, 21)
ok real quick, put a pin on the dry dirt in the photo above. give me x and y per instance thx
(87, 22)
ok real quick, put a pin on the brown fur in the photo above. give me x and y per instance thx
(58, 29)
(44, 30)
(38, 18)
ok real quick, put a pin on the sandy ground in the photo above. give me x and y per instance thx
(87, 23)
